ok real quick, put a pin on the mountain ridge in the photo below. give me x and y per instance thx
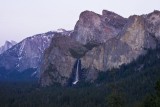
(7, 45)
(26, 54)
(103, 44)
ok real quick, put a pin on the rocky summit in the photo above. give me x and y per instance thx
(98, 28)
(101, 42)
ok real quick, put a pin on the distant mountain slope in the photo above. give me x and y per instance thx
(27, 54)
(6, 46)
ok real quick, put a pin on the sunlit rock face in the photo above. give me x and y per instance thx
(102, 42)
(98, 28)
(129, 45)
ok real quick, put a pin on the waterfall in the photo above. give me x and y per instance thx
(77, 73)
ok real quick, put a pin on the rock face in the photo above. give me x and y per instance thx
(98, 28)
(7, 46)
(153, 24)
(59, 59)
(102, 42)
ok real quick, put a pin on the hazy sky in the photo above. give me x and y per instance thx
(22, 18)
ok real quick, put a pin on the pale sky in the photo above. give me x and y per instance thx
(23, 18)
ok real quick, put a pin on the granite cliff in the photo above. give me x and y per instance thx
(101, 42)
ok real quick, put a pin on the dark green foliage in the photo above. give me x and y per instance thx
(14, 75)
(124, 87)
(116, 97)
(135, 79)
(114, 100)
(154, 99)
(30, 95)
(158, 88)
